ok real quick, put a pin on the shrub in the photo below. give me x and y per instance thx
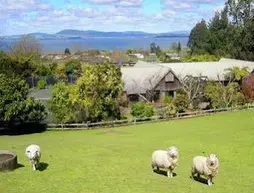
(181, 102)
(168, 99)
(15, 107)
(41, 84)
(248, 87)
(142, 109)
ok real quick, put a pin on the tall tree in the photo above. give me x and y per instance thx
(198, 38)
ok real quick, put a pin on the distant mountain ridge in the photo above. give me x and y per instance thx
(70, 33)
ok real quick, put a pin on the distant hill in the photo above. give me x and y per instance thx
(77, 34)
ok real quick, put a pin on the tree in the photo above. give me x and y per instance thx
(15, 107)
(248, 87)
(61, 72)
(198, 38)
(194, 88)
(67, 51)
(26, 53)
(224, 96)
(142, 110)
(179, 48)
(235, 74)
(119, 57)
(99, 91)
(60, 104)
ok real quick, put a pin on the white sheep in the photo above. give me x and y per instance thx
(166, 159)
(206, 166)
(33, 153)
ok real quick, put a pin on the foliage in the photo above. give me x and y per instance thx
(41, 84)
(168, 99)
(198, 38)
(236, 73)
(142, 110)
(131, 51)
(73, 67)
(181, 102)
(201, 58)
(94, 97)
(230, 32)
(223, 96)
(61, 72)
(100, 88)
(16, 107)
(67, 51)
(26, 54)
(60, 104)
(248, 87)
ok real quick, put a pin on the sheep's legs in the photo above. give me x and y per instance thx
(169, 174)
(34, 167)
(209, 182)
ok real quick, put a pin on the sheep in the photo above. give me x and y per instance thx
(207, 166)
(167, 159)
(33, 153)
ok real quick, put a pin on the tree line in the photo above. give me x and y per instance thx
(229, 33)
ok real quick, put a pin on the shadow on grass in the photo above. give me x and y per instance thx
(23, 129)
(43, 166)
(199, 179)
(19, 166)
(163, 173)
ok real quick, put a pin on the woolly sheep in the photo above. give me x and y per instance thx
(167, 159)
(207, 166)
(33, 153)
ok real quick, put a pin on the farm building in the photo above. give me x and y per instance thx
(210, 70)
(149, 83)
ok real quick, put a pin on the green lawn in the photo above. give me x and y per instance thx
(119, 160)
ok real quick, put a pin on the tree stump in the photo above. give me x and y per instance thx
(8, 161)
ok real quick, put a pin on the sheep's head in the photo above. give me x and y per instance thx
(32, 151)
(212, 160)
(173, 152)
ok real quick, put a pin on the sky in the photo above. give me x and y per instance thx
(51, 16)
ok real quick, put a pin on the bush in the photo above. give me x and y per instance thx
(41, 84)
(248, 87)
(142, 109)
(181, 102)
(168, 99)
(15, 107)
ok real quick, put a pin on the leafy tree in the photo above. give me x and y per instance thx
(26, 54)
(61, 72)
(67, 51)
(100, 88)
(201, 58)
(248, 87)
(60, 104)
(179, 48)
(198, 38)
(131, 51)
(15, 107)
(236, 73)
(223, 96)
(142, 110)
(181, 102)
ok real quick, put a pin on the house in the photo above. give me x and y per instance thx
(211, 70)
(138, 55)
(149, 83)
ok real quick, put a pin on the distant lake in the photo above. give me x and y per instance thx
(117, 43)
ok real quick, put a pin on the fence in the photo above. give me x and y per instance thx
(134, 121)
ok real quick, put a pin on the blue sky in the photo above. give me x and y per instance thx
(51, 16)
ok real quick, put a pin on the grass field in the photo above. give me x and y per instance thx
(119, 160)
